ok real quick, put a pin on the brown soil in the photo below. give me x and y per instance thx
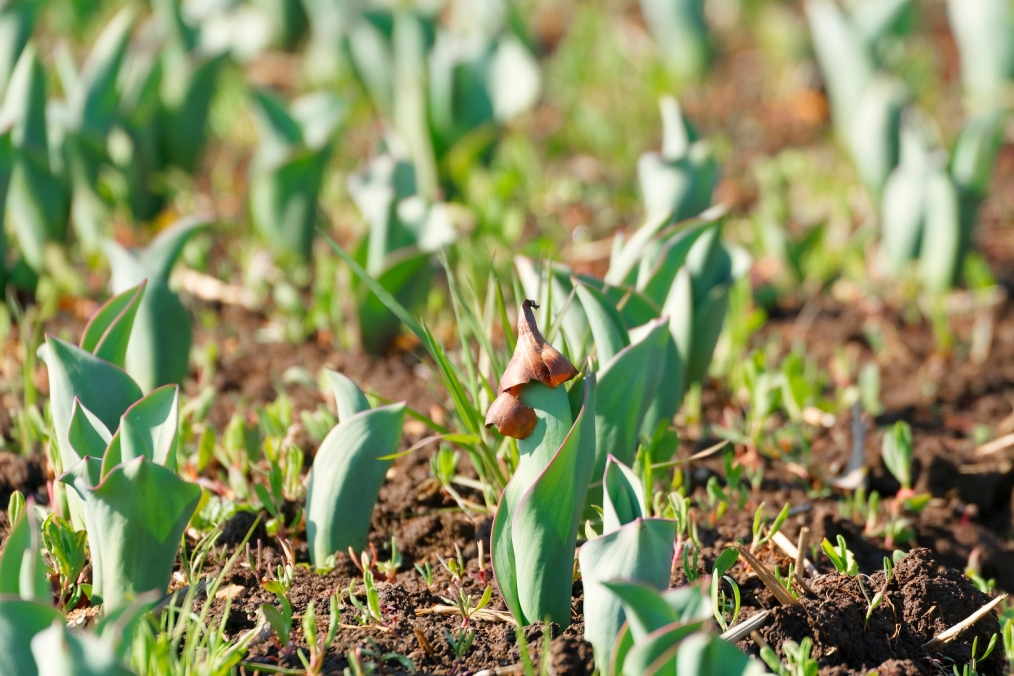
(921, 601)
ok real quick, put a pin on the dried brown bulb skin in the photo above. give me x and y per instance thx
(534, 358)
(511, 417)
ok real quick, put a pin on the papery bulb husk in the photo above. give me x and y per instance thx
(534, 358)
(511, 417)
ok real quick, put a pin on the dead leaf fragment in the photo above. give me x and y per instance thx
(534, 358)
(511, 417)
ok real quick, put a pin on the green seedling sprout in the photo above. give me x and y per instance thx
(878, 598)
(280, 620)
(897, 454)
(318, 645)
(15, 507)
(840, 556)
(66, 548)
(762, 532)
(535, 528)
(370, 612)
(461, 642)
(426, 573)
(690, 566)
(464, 603)
(389, 568)
(723, 564)
(1008, 640)
(786, 581)
(971, 669)
(798, 661)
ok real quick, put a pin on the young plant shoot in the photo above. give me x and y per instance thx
(349, 470)
(535, 527)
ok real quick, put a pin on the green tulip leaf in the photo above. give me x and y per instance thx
(620, 409)
(348, 397)
(346, 478)
(22, 569)
(88, 436)
(641, 551)
(150, 428)
(553, 424)
(17, 19)
(982, 30)
(159, 349)
(106, 391)
(107, 333)
(844, 59)
(624, 496)
(135, 517)
(943, 240)
(644, 656)
(705, 654)
(20, 621)
(60, 651)
(546, 518)
(607, 326)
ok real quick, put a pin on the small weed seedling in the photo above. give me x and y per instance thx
(460, 642)
(797, 659)
(719, 602)
(873, 603)
(971, 669)
(762, 532)
(690, 566)
(426, 573)
(1008, 641)
(318, 645)
(389, 569)
(370, 612)
(786, 581)
(66, 547)
(462, 602)
(280, 619)
(840, 556)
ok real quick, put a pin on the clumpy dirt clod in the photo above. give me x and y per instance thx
(922, 600)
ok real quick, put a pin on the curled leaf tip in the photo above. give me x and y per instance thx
(534, 358)
(511, 417)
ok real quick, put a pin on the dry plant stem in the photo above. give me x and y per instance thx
(801, 584)
(996, 445)
(424, 643)
(948, 635)
(785, 544)
(213, 290)
(746, 627)
(502, 671)
(803, 543)
(487, 615)
(767, 577)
